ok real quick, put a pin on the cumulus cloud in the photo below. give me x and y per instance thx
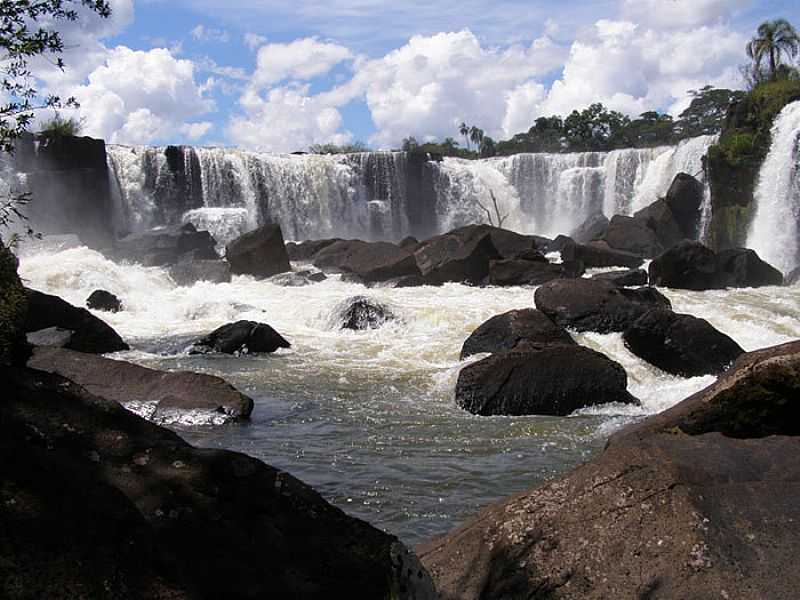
(302, 59)
(661, 14)
(253, 40)
(201, 33)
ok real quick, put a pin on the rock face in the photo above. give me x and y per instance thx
(595, 305)
(629, 278)
(593, 228)
(504, 332)
(692, 266)
(676, 507)
(369, 261)
(793, 277)
(166, 246)
(90, 335)
(361, 313)
(550, 380)
(13, 311)
(523, 271)
(681, 344)
(187, 273)
(260, 253)
(242, 337)
(103, 300)
(685, 200)
(305, 251)
(598, 254)
(132, 385)
(108, 505)
(52, 336)
(462, 255)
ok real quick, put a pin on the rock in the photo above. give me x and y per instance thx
(685, 200)
(675, 507)
(241, 337)
(369, 261)
(103, 300)
(403, 282)
(509, 244)
(793, 277)
(535, 380)
(659, 218)
(360, 313)
(462, 255)
(681, 344)
(558, 244)
(687, 265)
(91, 335)
(166, 246)
(595, 305)
(132, 385)
(187, 273)
(633, 277)
(632, 235)
(52, 336)
(297, 278)
(593, 228)
(99, 503)
(260, 253)
(740, 267)
(504, 332)
(305, 251)
(598, 254)
(409, 243)
(527, 272)
(13, 311)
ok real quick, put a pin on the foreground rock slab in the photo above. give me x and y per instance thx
(99, 503)
(693, 503)
(163, 396)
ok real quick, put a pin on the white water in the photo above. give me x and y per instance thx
(774, 231)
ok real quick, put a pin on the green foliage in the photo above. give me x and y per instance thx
(594, 128)
(706, 112)
(769, 98)
(772, 41)
(59, 126)
(738, 147)
(353, 148)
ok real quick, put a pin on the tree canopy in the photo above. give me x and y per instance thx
(773, 40)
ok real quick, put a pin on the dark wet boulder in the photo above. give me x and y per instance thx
(99, 503)
(13, 311)
(691, 502)
(659, 218)
(740, 267)
(599, 255)
(462, 255)
(260, 253)
(509, 244)
(681, 344)
(595, 305)
(360, 313)
(103, 301)
(685, 200)
(52, 336)
(793, 277)
(166, 246)
(504, 332)
(91, 334)
(593, 228)
(632, 235)
(548, 380)
(403, 282)
(189, 272)
(369, 261)
(164, 396)
(517, 271)
(298, 278)
(559, 243)
(630, 278)
(305, 251)
(409, 243)
(241, 337)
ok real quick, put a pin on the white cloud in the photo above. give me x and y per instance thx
(253, 40)
(201, 33)
(663, 14)
(194, 131)
(302, 59)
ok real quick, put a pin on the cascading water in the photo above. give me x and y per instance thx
(774, 231)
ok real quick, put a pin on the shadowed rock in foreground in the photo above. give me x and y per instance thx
(698, 502)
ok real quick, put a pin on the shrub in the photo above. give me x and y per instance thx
(59, 126)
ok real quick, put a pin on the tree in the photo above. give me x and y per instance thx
(772, 40)
(594, 128)
(487, 148)
(463, 129)
(476, 135)
(353, 148)
(410, 144)
(706, 112)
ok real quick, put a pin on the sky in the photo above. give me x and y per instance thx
(280, 75)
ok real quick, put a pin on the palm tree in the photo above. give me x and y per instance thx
(772, 39)
(476, 135)
(463, 129)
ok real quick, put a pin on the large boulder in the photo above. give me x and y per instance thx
(523, 271)
(509, 244)
(369, 261)
(598, 254)
(90, 334)
(162, 396)
(260, 253)
(541, 380)
(632, 277)
(13, 311)
(241, 337)
(166, 246)
(462, 255)
(681, 344)
(793, 277)
(685, 200)
(99, 503)
(360, 313)
(104, 301)
(659, 218)
(634, 236)
(504, 332)
(675, 507)
(305, 251)
(740, 267)
(189, 272)
(593, 228)
(595, 305)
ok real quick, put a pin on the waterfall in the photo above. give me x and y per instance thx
(380, 195)
(775, 227)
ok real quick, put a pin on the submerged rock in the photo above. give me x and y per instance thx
(298, 278)
(260, 253)
(103, 300)
(504, 332)
(187, 273)
(595, 305)
(533, 380)
(361, 313)
(90, 334)
(241, 337)
(138, 388)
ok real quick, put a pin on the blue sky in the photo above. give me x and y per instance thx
(278, 75)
